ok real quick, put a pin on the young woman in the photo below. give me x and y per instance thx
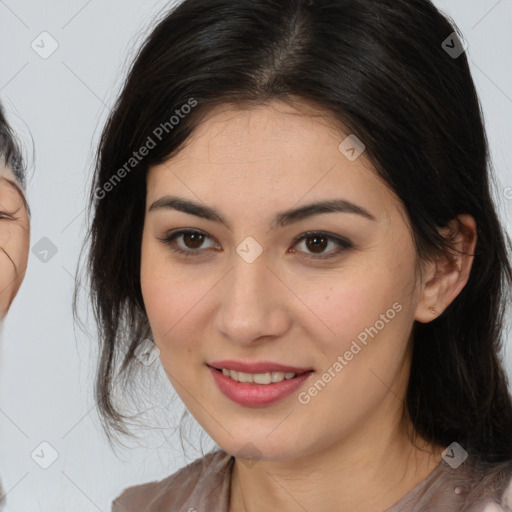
(14, 223)
(292, 200)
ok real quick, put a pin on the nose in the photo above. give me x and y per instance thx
(253, 303)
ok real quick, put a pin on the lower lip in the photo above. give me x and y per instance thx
(257, 395)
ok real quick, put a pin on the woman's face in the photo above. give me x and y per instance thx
(14, 238)
(340, 302)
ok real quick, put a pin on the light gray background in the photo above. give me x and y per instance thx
(62, 101)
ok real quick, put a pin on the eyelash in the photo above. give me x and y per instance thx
(343, 244)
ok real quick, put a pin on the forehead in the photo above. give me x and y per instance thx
(230, 133)
(273, 140)
(276, 153)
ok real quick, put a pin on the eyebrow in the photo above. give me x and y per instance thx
(16, 187)
(282, 219)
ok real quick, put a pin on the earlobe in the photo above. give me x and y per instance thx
(447, 275)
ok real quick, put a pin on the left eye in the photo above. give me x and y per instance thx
(315, 241)
(318, 241)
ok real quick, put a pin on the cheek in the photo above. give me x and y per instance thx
(355, 300)
(369, 322)
(172, 301)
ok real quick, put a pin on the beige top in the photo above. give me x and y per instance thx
(204, 486)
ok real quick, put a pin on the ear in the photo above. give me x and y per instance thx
(14, 239)
(446, 276)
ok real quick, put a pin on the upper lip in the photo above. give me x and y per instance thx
(256, 367)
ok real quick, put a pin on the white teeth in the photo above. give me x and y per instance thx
(244, 377)
(258, 378)
(279, 376)
(262, 378)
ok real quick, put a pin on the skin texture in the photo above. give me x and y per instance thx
(251, 164)
(14, 238)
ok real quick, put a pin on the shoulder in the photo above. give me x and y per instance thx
(492, 489)
(206, 478)
(473, 486)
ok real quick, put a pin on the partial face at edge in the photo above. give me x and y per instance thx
(14, 238)
(292, 304)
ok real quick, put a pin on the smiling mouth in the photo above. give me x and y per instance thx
(265, 384)
(264, 378)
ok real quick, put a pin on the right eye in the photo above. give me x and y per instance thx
(191, 241)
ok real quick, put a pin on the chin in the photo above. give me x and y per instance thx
(252, 448)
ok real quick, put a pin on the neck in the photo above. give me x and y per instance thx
(372, 472)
